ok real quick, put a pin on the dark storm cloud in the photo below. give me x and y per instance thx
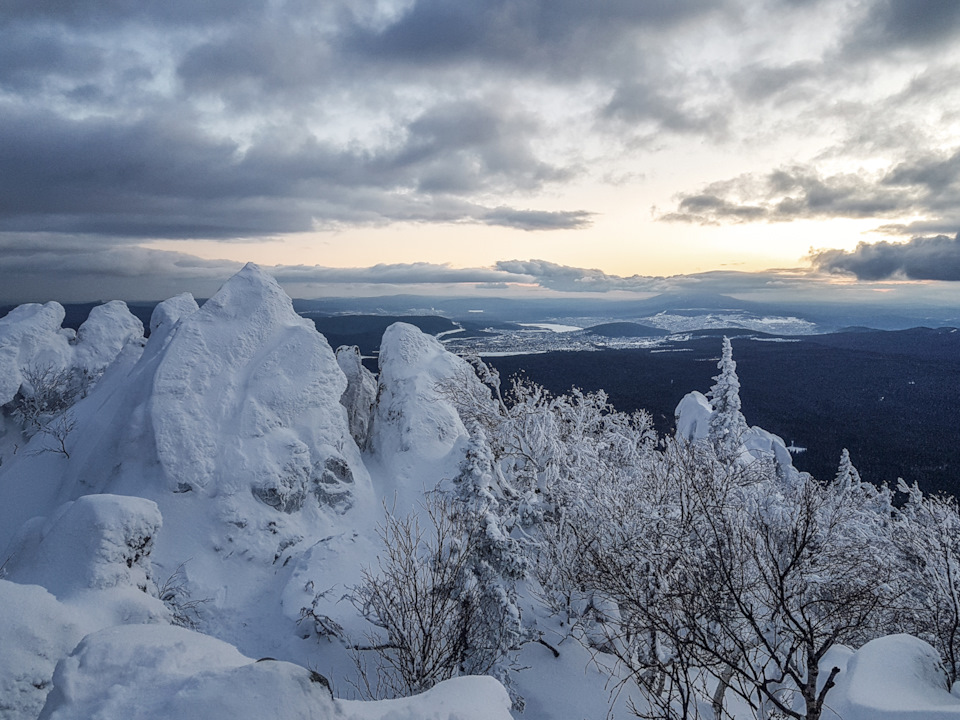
(162, 177)
(922, 258)
(638, 101)
(538, 219)
(393, 274)
(547, 34)
(105, 14)
(566, 278)
(44, 266)
(573, 279)
(914, 24)
(27, 61)
(927, 184)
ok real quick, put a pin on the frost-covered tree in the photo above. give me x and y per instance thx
(485, 501)
(727, 425)
(712, 579)
(431, 611)
(928, 537)
(847, 475)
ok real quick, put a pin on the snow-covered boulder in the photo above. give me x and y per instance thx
(97, 541)
(694, 415)
(160, 672)
(759, 444)
(417, 435)
(897, 677)
(360, 397)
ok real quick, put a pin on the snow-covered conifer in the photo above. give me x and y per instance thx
(727, 425)
(847, 476)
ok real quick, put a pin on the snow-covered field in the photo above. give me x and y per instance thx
(187, 523)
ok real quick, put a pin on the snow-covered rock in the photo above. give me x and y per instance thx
(166, 314)
(417, 437)
(360, 397)
(160, 672)
(693, 420)
(414, 415)
(897, 677)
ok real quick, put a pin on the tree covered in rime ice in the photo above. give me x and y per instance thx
(727, 425)
(928, 536)
(703, 579)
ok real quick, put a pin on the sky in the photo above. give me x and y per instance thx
(365, 147)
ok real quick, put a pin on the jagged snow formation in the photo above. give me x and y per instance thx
(32, 340)
(229, 419)
(360, 397)
(897, 677)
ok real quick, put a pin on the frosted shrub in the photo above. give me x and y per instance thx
(438, 620)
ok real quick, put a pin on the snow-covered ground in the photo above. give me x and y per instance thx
(182, 545)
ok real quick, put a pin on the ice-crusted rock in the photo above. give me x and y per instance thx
(360, 397)
(246, 398)
(158, 672)
(693, 417)
(31, 338)
(415, 413)
(229, 419)
(97, 541)
(103, 334)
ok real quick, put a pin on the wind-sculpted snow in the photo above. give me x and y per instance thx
(104, 333)
(33, 342)
(229, 419)
(897, 677)
(247, 399)
(30, 335)
(161, 672)
(417, 435)
(36, 631)
(166, 314)
(97, 541)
